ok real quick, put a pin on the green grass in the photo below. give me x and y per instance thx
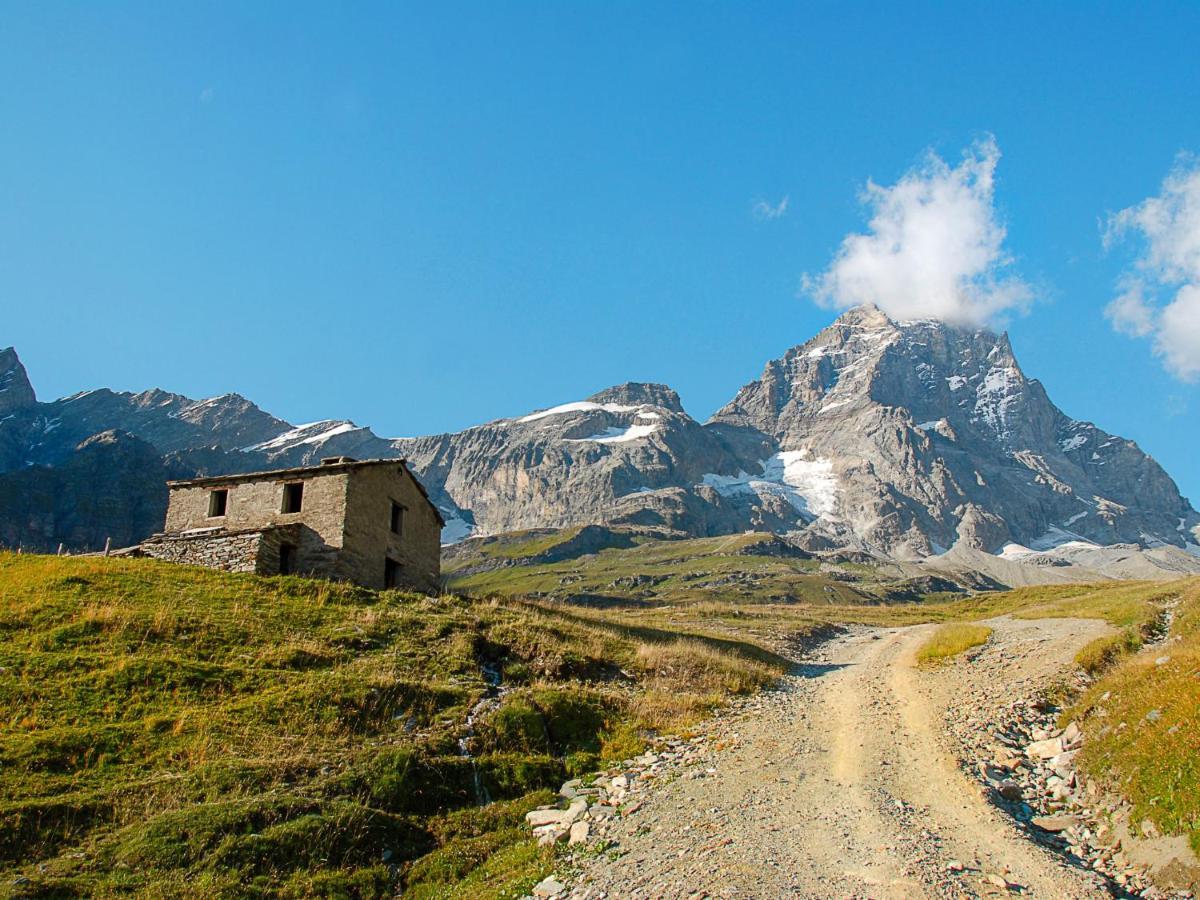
(169, 731)
(949, 640)
(1142, 722)
(663, 571)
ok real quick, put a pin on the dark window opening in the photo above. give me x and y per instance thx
(391, 573)
(218, 502)
(293, 497)
(397, 518)
(287, 559)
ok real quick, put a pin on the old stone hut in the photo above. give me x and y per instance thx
(368, 521)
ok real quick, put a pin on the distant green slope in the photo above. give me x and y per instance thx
(752, 568)
(170, 731)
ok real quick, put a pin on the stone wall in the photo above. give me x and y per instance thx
(233, 552)
(369, 541)
(258, 504)
(249, 550)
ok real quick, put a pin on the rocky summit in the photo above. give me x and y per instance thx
(900, 439)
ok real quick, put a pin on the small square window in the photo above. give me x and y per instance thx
(218, 502)
(293, 497)
(397, 518)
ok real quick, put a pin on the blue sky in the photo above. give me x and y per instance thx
(423, 217)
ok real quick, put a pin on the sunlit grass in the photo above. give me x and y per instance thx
(949, 640)
(1142, 722)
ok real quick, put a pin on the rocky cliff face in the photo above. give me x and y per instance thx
(914, 437)
(899, 438)
(16, 393)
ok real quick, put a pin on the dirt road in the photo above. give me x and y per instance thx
(843, 783)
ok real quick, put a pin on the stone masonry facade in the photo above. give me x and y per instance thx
(255, 551)
(369, 522)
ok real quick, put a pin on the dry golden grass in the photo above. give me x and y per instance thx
(951, 639)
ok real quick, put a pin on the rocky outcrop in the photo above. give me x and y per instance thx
(15, 390)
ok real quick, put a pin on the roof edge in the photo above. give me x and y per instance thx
(293, 472)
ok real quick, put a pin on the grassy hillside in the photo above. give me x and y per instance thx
(748, 568)
(1142, 721)
(171, 731)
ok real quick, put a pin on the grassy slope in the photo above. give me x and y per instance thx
(1142, 720)
(662, 570)
(175, 731)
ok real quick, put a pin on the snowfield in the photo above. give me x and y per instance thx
(312, 433)
(579, 406)
(617, 435)
(808, 484)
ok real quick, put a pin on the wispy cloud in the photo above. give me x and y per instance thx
(934, 247)
(1160, 295)
(206, 95)
(764, 210)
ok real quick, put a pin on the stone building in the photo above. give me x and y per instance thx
(368, 521)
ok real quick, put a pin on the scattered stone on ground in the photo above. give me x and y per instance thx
(857, 776)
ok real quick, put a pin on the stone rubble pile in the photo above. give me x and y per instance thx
(1026, 764)
(590, 808)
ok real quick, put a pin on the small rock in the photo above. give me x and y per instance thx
(579, 833)
(1054, 824)
(540, 817)
(548, 887)
(1047, 749)
(1010, 790)
(996, 880)
(570, 789)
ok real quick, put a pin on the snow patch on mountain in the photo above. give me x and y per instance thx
(617, 435)
(808, 484)
(579, 406)
(314, 433)
(1073, 443)
(995, 397)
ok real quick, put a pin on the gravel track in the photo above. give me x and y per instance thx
(844, 782)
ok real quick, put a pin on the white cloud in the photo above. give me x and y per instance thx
(1160, 297)
(764, 210)
(1130, 313)
(934, 247)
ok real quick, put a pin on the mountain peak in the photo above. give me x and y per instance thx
(15, 390)
(636, 393)
(866, 315)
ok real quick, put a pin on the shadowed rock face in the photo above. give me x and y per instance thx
(898, 438)
(15, 390)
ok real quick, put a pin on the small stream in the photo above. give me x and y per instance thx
(492, 698)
